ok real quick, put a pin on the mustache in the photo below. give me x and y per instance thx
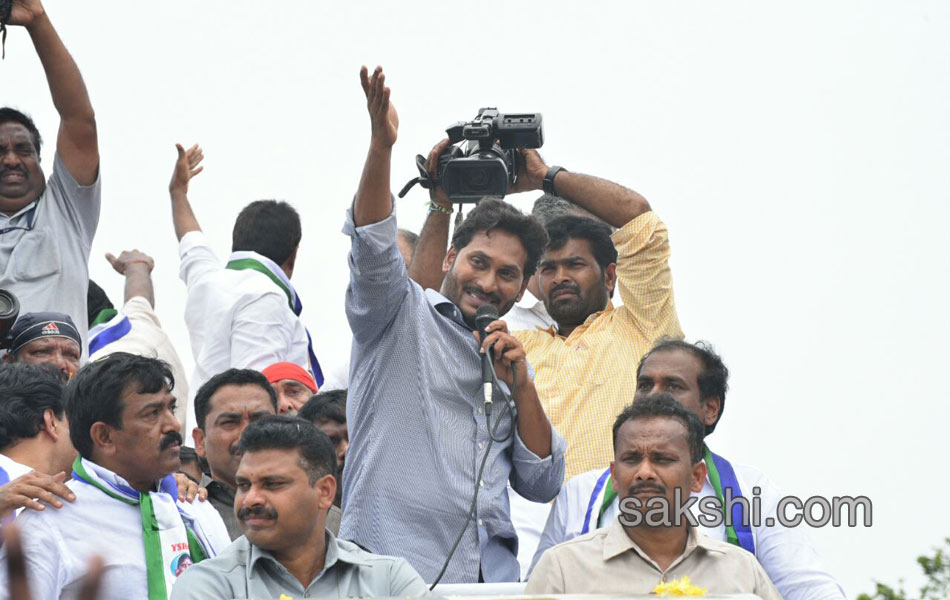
(10, 169)
(256, 511)
(646, 487)
(474, 289)
(567, 285)
(170, 439)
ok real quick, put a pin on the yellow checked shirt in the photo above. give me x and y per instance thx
(585, 380)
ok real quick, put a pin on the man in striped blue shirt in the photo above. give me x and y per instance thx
(417, 422)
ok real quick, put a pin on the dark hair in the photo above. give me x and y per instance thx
(96, 301)
(548, 207)
(561, 229)
(317, 456)
(713, 380)
(188, 456)
(325, 406)
(491, 214)
(665, 405)
(269, 227)
(95, 394)
(26, 393)
(410, 237)
(229, 377)
(8, 114)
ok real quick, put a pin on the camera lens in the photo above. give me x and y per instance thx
(8, 304)
(477, 179)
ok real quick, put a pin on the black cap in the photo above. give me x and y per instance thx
(33, 326)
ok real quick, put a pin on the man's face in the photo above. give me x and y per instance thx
(489, 270)
(573, 286)
(291, 395)
(231, 409)
(276, 505)
(146, 448)
(21, 177)
(676, 372)
(340, 438)
(652, 459)
(61, 352)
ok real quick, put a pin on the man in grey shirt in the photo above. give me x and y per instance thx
(46, 228)
(285, 484)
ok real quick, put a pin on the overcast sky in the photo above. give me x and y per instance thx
(797, 152)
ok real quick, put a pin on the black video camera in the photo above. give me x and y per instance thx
(9, 311)
(483, 160)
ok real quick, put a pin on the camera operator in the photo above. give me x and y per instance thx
(582, 266)
(418, 425)
(47, 228)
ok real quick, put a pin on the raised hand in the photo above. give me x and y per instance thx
(186, 167)
(382, 113)
(129, 257)
(24, 12)
(188, 489)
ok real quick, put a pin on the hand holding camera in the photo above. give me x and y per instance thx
(23, 12)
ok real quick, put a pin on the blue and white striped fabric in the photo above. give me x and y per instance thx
(104, 334)
(417, 428)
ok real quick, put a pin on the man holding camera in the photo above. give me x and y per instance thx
(47, 227)
(418, 423)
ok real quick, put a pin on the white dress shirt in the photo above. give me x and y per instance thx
(235, 318)
(528, 313)
(58, 544)
(786, 554)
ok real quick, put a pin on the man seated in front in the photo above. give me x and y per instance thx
(121, 420)
(286, 482)
(658, 459)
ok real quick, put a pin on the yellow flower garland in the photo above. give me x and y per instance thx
(679, 587)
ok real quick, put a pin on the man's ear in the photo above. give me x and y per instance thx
(49, 424)
(449, 259)
(613, 477)
(711, 407)
(610, 278)
(199, 436)
(101, 435)
(288, 266)
(698, 479)
(326, 491)
(8, 357)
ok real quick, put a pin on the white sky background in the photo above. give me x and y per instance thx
(798, 154)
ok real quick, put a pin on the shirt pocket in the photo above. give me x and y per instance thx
(34, 257)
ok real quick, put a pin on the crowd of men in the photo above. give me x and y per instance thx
(250, 478)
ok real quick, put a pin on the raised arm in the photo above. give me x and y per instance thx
(137, 268)
(373, 198)
(186, 167)
(612, 203)
(77, 141)
(426, 267)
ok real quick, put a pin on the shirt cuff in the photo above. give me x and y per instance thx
(190, 241)
(377, 236)
(523, 455)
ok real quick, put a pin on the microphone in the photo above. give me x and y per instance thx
(484, 316)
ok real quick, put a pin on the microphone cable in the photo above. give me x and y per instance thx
(512, 410)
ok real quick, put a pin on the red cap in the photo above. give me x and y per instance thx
(288, 370)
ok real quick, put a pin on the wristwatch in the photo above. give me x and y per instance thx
(548, 185)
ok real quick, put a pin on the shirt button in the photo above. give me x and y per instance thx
(482, 483)
(480, 523)
(481, 445)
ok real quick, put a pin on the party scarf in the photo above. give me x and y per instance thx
(245, 259)
(166, 531)
(109, 326)
(721, 474)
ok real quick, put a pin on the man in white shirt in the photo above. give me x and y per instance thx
(244, 314)
(696, 376)
(122, 422)
(35, 450)
(134, 328)
(47, 226)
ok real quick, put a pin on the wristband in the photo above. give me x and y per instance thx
(433, 207)
(548, 184)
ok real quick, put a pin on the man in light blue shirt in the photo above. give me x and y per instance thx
(415, 411)
(285, 484)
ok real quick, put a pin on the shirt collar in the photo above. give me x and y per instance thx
(529, 301)
(553, 329)
(445, 307)
(335, 551)
(20, 212)
(617, 542)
